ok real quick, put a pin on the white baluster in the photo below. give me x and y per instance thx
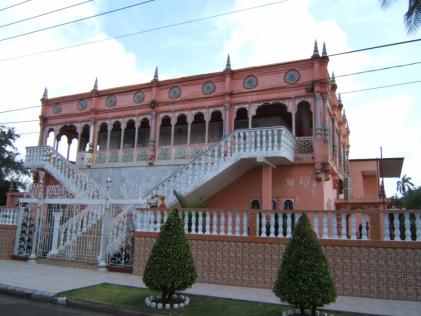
(222, 224)
(325, 225)
(270, 142)
(353, 226)
(334, 226)
(245, 224)
(258, 145)
(237, 223)
(418, 225)
(343, 224)
(316, 223)
(364, 227)
(215, 223)
(193, 222)
(229, 232)
(397, 230)
(407, 227)
(158, 221)
(200, 226)
(386, 226)
(289, 226)
(186, 222)
(263, 227)
(151, 221)
(275, 140)
(253, 145)
(247, 140)
(272, 225)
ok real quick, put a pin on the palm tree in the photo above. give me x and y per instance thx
(412, 17)
(196, 203)
(404, 185)
(193, 217)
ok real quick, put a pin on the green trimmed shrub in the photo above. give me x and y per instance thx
(170, 266)
(304, 278)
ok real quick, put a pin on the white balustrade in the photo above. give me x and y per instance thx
(276, 141)
(9, 215)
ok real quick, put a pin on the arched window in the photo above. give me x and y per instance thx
(255, 205)
(288, 204)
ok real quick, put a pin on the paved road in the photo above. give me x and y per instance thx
(16, 306)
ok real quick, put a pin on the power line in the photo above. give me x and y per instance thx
(375, 47)
(145, 31)
(14, 5)
(382, 87)
(82, 19)
(37, 16)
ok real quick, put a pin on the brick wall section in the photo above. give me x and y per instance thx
(7, 240)
(382, 270)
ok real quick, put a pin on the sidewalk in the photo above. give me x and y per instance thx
(50, 280)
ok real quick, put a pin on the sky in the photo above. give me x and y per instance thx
(270, 31)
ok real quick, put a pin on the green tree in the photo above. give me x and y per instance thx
(412, 17)
(196, 203)
(404, 185)
(412, 199)
(12, 171)
(304, 278)
(170, 266)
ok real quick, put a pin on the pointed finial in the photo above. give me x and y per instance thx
(347, 128)
(344, 115)
(334, 85)
(324, 52)
(315, 50)
(95, 85)
(155, 76)
(228, 65)
(45, 95)
(340, 102)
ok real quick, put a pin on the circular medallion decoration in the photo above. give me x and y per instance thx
(111, 100)
(250, 82)
(138, 97)
(57, 108)
(81, 105)
(292, 76)
(175, 92)
(208, 88)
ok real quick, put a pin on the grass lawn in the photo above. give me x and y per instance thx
(134, 298)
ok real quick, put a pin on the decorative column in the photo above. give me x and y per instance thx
(33, 257)
(340, 148)
(108, 135)
(122, 135)
(207, 119)
(152, 128)
(189, 120)
(266, 187)
(318, 123)
(250, 114)
(334, 144)
(91, 134)
(293, 112)
(136, 136)
(102, 264)
(326, 119)
(227, 119)
(173, 122)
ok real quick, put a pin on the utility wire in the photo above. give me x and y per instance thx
(163, 85)
(82, 19)
(145, 31)
(14, 5)
(37, 16)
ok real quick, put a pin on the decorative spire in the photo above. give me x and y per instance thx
(155, 76)
(324, 52)
(340, 102)
(334, 85)
(228, 65)
(347, 128)
(45, 95)
(315, 50)
(344, 115)
(95, 85)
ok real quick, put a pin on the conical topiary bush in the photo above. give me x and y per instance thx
(304, 278)
(170, 266)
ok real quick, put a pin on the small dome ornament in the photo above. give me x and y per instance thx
(324, 52)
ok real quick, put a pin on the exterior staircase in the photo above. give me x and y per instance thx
(228, 160)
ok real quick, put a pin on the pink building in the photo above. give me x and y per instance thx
(270, 137)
